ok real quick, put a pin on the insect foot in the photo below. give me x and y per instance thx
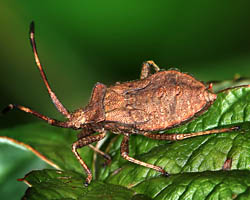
(158, 100)
(164, 173)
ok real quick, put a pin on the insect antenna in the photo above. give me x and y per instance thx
(53, 97)
(51, 121)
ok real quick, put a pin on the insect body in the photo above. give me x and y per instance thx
(155, 102)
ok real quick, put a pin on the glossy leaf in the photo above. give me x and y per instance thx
(52, 142)
(55, 184)
(206, 185)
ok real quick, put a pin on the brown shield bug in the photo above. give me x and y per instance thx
(155, 102)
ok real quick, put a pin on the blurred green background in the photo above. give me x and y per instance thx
(84, 42)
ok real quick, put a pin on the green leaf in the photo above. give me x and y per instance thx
(52, 142)
(55, 184)
(13, 165)
(206, 185)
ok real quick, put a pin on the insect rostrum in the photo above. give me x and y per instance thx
(154, 102)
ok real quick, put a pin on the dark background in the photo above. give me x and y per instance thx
(84, 42)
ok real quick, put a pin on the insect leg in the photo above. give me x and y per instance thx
(106, 156)
(55, 100)
(145, 72)
(28, 110)
(85, 132)
(125, 152)
(81, 143)
(187, 135)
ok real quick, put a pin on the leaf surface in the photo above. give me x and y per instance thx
(52, 142)
(209, 185)
(55, 184)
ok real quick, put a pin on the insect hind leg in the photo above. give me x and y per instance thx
(183, 136)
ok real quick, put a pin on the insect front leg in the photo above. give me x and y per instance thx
(106, 156)
(81, 143)
(125, 152)
(145, 72)
(87, 132)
